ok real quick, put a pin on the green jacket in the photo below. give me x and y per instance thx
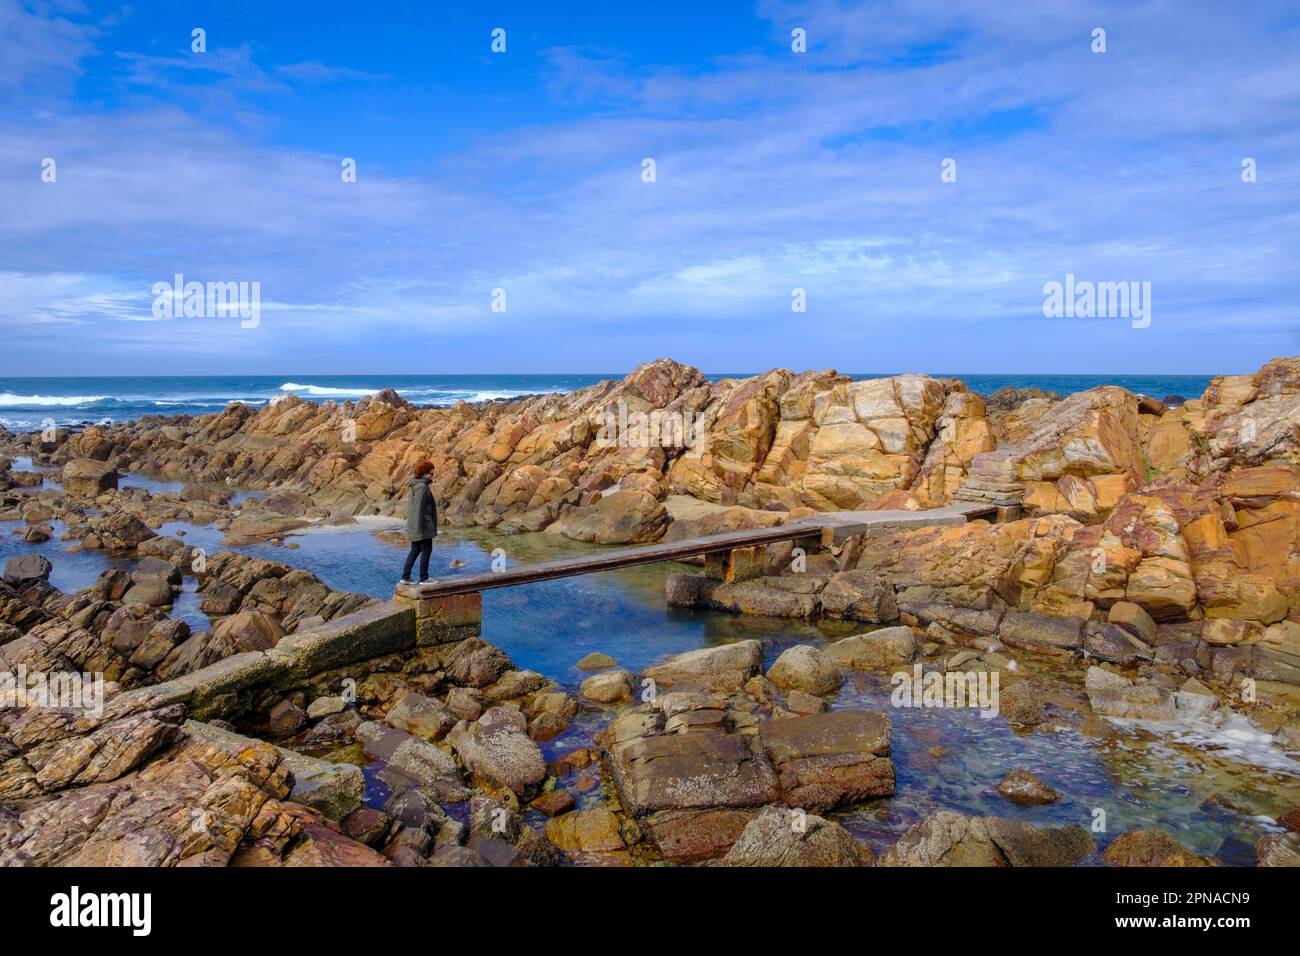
(421, 512)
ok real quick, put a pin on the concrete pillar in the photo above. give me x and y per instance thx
(1008, 512)
(442, 619)
(738, 564)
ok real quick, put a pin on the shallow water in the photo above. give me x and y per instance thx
(1216, 789)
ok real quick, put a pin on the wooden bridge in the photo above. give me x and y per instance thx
(449, 608)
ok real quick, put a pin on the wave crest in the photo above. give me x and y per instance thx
(10, 400)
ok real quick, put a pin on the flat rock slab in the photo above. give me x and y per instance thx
(696, 789)
(693, 771)
(726, 667)
(827, 760)
(686, 836)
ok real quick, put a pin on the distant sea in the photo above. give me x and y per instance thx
(31, 403)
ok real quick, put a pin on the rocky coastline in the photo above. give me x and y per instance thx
(1146, 557)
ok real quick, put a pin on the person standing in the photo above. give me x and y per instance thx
(421, 521)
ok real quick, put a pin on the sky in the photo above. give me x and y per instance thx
(524, 171)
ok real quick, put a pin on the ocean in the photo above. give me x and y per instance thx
(31, 403)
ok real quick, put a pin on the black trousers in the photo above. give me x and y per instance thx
(421, 549)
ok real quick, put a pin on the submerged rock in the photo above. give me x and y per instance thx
(1021, 786)
(554, 803)
(1022, 704)
(631, 516)
(596, 661)
(1113, 695)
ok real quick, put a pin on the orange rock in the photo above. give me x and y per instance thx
(1252, 597)
(1264, 482)
(1163, 587)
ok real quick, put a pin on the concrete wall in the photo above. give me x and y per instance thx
(232, 688)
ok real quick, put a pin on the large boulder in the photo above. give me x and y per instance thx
(1114, 695)
(1029, 630)
(629, 516)
(1278, 849)
(86, 478)
(781, 837)
(1133, 619)
(412, 762)
(586, 831)
(692, 771)
(725, 666)
(608, 687)
(803, 668)
(886, 647)
(860, 596)
(425, 717)
(151, 591)
(120, 531)
(247, 631)
(476, 663)
(1150, 848)
(830, 759)
(496, 748)
(1087, 434)
(946, 838)
(27, 569)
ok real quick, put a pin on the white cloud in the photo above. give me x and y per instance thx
(775, 171)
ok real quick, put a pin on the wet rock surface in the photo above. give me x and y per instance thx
(951, 839)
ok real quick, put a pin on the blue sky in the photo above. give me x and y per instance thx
(522, 171)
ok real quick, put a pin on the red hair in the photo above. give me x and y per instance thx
(423, 468)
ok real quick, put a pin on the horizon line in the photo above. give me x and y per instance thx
(291, 375)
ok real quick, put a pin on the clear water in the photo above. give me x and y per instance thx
(31, 403)
(1215, 789)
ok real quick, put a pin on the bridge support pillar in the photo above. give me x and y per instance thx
(738, 564)
(442, 619)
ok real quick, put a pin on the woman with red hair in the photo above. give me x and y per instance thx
(421, 521)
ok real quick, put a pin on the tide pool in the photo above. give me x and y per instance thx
(1214, 788)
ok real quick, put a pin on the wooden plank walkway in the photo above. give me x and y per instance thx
(826, 529)
(612, 560)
